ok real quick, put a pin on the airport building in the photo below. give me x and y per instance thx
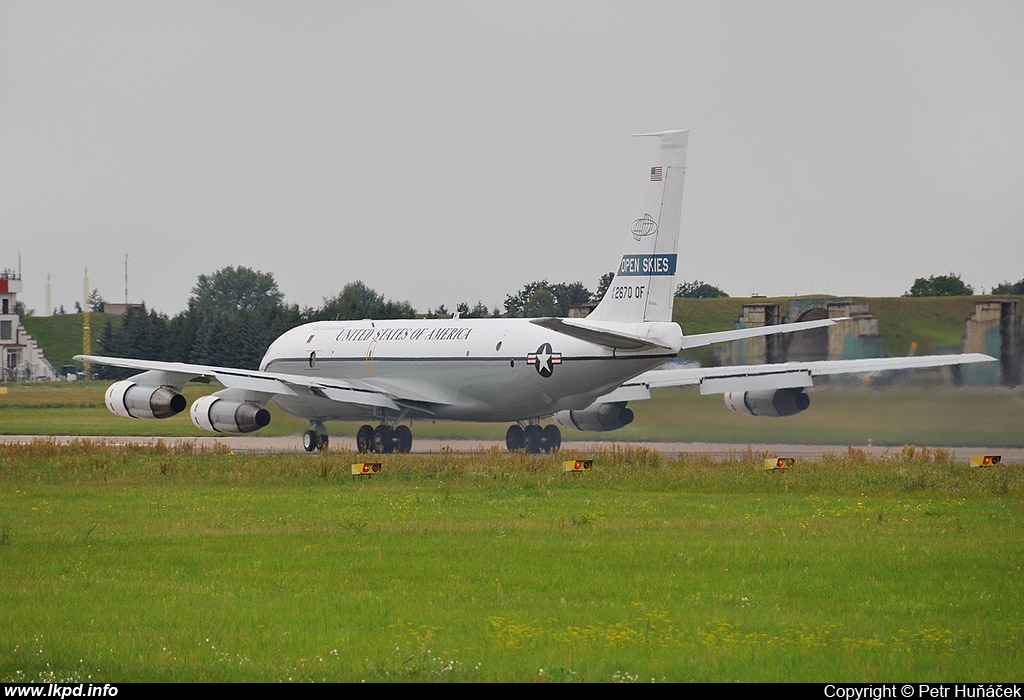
(21, 359)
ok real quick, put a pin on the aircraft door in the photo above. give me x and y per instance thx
(506, 368)
(370, 350)
(313, 353)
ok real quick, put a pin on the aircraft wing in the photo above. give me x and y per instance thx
(268, 384)
(702, 339)
(785, 375)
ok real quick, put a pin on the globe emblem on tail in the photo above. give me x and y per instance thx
(644, 226)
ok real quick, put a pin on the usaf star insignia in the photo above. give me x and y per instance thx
(544, 360)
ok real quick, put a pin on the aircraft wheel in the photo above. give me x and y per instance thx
(322, 441)
(514, 439)
(383, 440)
(403, 439)
(364, 439)
(309, 441)
(534, 439)
(552, 438)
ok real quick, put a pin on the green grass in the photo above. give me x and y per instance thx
(709, 315)
(936, 324)
(154, 565)
(839, 414)
(60, 337)
(902, 414)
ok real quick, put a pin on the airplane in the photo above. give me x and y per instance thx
(580, 372)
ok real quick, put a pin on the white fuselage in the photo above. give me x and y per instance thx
(455, 369)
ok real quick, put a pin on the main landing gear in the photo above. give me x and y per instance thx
(384, 439)
(533, 439)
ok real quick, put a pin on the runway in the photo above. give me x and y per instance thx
(293, 444)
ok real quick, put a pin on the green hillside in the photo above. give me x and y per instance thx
(60, 337)
(936, 324)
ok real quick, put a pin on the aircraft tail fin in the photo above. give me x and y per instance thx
(644, 284)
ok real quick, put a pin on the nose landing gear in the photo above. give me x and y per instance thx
(315, 439)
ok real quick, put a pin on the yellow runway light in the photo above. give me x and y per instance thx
(578, 465)
(365, 468)
(779, 463)
(986, 460)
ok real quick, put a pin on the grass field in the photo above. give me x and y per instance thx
(150, 565)
(903, 414)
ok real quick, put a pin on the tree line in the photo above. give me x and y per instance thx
(952, 286)
(231, 318)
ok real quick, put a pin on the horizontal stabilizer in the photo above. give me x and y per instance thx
(605, 337)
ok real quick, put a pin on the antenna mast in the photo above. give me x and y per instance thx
(86, 331)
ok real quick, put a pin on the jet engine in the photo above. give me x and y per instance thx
(596, 418)
(220, 415)
(130, 400)
(772, 402)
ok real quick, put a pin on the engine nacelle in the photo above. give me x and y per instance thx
(221, 415)
(776, 403)
(130, 400)
(598, 418)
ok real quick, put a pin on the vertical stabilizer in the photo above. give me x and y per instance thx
(644, 283)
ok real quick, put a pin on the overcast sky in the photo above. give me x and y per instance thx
(454, 151)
